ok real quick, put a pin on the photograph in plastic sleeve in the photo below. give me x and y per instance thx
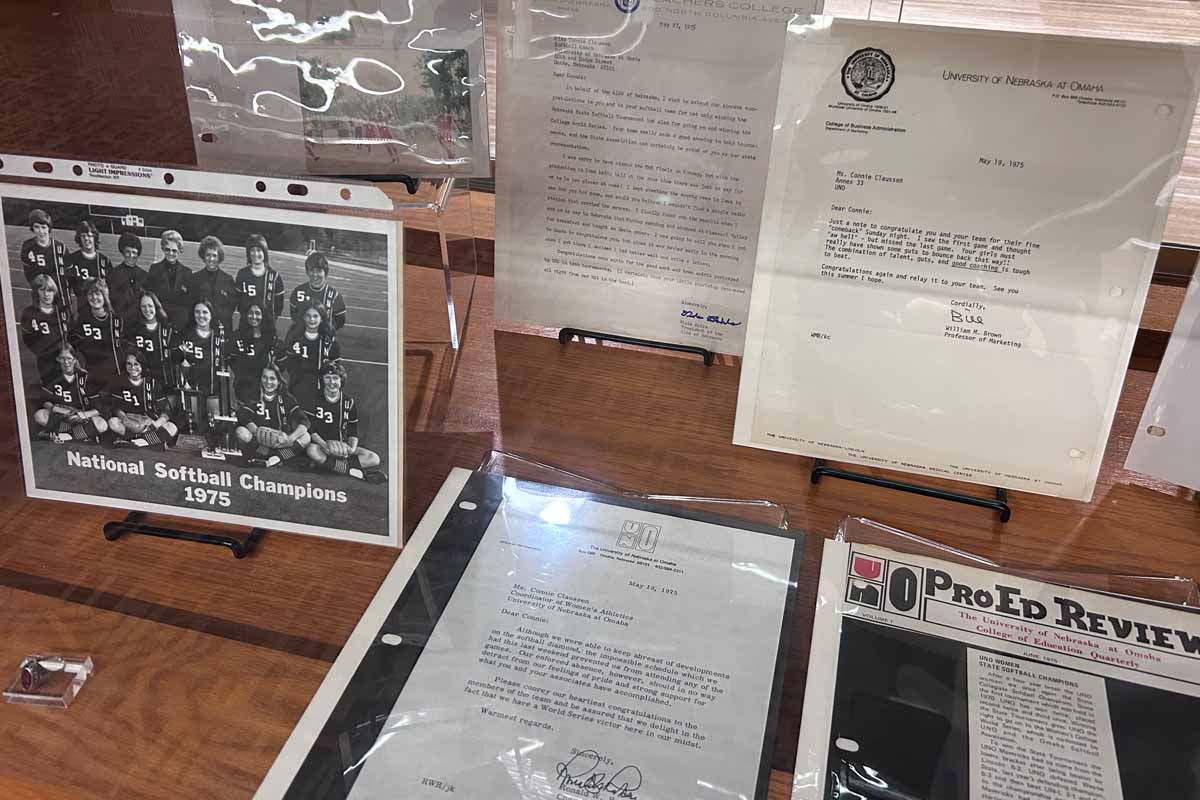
(205, 359)
(1167, 442)
(930, 679)
(535, 641)
(322, 89)
(959, 232)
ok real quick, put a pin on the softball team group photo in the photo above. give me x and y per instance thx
(235, 344)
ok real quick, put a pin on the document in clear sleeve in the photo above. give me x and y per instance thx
(958, 235)
(932, 679)
(539, 642)
(632, 154)
(1167, 442)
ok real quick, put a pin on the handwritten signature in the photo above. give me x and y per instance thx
(687, 313)
(580, 774)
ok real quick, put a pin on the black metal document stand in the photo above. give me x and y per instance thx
(409, 182)
(565, 335)
(999, 505)
(133, 523)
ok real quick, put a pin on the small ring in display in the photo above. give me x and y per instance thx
(33, 674)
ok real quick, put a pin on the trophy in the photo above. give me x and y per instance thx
(222, 423)
(190, 437)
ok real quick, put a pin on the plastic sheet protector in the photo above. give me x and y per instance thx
(326, 87)
(631, 161)
(1167, 443)
(959, 232)
(931, 679)
(206, 346)
(534, 641)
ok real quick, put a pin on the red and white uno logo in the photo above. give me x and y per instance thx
(866, 567)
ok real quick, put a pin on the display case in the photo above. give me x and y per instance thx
(316, 663)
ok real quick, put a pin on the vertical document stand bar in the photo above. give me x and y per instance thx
(439, 206)
(133, 523)
(566, 334)
(999, 505)
(442, 203)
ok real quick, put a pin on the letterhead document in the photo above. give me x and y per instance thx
(533, 641)
(928, 678)
(958, 235)
(632, 154)
(1167, 443)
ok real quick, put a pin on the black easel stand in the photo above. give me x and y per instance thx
(133, 524)
(999, 505)
(566, 334)
(409, 182)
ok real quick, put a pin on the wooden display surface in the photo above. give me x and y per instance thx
(205, 663)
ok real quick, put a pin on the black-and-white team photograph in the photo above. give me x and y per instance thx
(208, 360)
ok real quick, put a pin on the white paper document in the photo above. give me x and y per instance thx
(928, 678)
(1167, 442)
(632, 154)
(538, 642)
(959, 231)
